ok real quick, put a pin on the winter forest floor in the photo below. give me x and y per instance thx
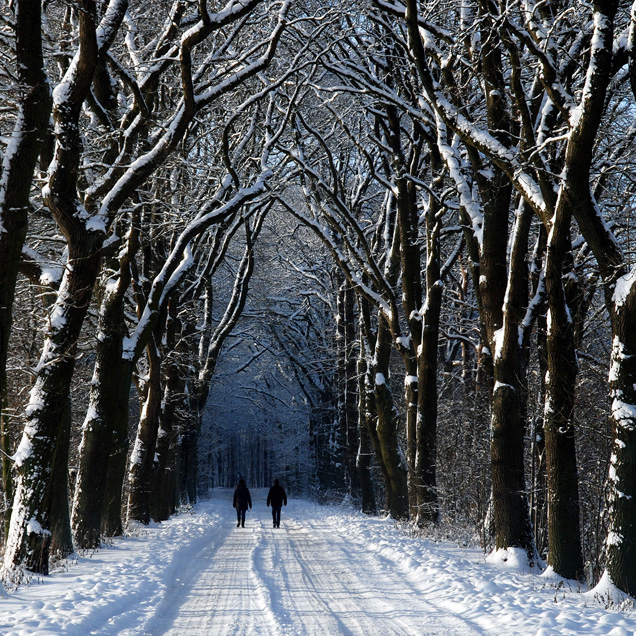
(327, 570)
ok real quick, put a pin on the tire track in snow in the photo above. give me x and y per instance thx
(323, 593)
(307, 578)
(370, 596)
(403, 589)
(225, 596)
(300, 610)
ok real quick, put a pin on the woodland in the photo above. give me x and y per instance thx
(380, 250)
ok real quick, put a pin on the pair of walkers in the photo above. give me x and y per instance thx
(277, 497)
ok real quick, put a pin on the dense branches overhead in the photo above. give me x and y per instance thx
(355, 246)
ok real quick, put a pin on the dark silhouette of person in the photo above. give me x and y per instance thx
(242, 499)
(277, 497)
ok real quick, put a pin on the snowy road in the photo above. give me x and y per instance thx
(328, 570)
(302, 579)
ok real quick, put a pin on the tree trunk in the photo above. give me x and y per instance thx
(538, 498)
(164, 472)
(621, 539)
(509, 406)
(512, 524)
(564, 536)
(112, 513)
(29, 536)
(365, 451)
(426, 457)
(372, 422)
(351, 393)
(101, 420)
(387, 426)
(7, 468)
(143, 455)
(189, 463)
(19, 161)
(61, 535)
(407, 229)
(338, 451)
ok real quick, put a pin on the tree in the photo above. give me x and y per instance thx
(16, 173)
(85, 223)
(527, 167)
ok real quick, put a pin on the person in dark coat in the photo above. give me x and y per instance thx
(276, 497)
(242, 500)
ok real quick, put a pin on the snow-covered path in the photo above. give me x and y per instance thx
(304, 578)
(328, 570)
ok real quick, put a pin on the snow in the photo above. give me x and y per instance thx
(618, 356)
(498, 337)
(24, 451)
(58, 317)
(502, 385)
(11, 151)
(624, 287)
(51, 275)
(624, 413)
(327, 570)
(515, 558)
(453, 162)
(403, 341)
(34, 527)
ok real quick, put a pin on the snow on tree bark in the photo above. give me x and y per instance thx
(16, 174)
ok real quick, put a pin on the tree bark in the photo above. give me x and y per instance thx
(29, 536)
(387, 426)
(19, 161)
(112, 523)
(564, 537)
(509, 407)
(61, 535)
(143, 454)
(7, 469)
(426, 457)
(407, 229)
(102, 421)
(164, 501)
(365, 451)
(621, 539)
(351, 393)
(338, 449)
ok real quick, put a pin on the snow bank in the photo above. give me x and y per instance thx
(485, 591)
(111, 590)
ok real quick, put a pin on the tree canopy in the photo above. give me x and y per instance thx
(383, 251)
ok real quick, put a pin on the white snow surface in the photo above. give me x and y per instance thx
(327, 570)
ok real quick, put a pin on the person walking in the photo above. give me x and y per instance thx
(276, 497)
(242, 499)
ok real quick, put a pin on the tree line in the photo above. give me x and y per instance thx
(467, 171)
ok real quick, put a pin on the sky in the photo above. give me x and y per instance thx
(326, 570)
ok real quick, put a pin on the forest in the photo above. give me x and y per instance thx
(381, 250)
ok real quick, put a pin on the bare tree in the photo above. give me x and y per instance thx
(85, 223)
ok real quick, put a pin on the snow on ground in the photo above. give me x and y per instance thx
(327, 570)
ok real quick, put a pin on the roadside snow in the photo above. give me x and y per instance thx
(327, 570)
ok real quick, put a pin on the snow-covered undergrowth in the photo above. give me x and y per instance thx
(120, 588)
